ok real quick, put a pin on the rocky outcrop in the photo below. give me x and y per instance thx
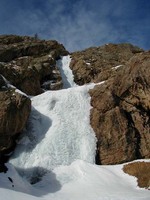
(95, 64)
(121, 113)
(14, 112)
(141, 171)
(30, 64)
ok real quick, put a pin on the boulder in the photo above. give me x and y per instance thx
(28, 63)
(121, 113)
(141, 171)
(14, 112)
(97, 64)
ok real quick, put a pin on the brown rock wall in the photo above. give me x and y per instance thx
(14, 112)
(28, 63)
(121, 113)
(95, 64)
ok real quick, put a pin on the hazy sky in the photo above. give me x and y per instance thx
(79, 24)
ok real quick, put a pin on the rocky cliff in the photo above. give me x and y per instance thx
(121, 113)
(120, 116)
(15, 108)
(30, 64)
(95, 64)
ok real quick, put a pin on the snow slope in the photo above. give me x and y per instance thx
(80, 180)
(57, 150)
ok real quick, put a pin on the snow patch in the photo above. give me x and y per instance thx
(118, 66)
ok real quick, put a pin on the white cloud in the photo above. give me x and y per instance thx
(78, 24)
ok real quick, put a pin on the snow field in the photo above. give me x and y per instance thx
(80, 180)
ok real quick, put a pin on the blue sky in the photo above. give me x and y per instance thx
(79, 24)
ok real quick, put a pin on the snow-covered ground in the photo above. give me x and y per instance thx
(80, 180)
(57, 150)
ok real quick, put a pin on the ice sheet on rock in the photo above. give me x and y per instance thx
(66, 72)
(58, 131)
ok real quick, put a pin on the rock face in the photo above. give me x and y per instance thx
(141, 171)
(121, 113)
(95, 64)
(14, 112)
(30, 64)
